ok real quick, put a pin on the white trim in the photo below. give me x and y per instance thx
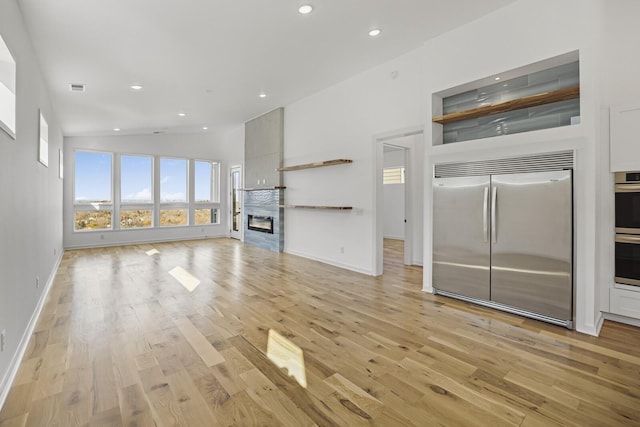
(239, 235)
(377, 254)
(618, 318)
(147, 241)
(394, 237)
(330, 262)
(12, 371)
(593, 330)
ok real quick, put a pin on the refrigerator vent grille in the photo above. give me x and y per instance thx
(534, 163)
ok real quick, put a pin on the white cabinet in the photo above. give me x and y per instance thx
(624, 301)
(625, 138)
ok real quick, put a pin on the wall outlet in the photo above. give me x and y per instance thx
(341, 249)
(37, 282)
(55, 252)
(102, 237)
(2, 339)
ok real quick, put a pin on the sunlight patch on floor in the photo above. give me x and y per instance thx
(185, 278)
(285, 354)
(153, 252)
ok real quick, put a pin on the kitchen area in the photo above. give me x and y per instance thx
(514, 227)
(625, 165)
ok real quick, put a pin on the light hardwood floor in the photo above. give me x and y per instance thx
(122, 342)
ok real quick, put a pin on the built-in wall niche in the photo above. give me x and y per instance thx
(7, 90)
(537, 96)
(43, 144)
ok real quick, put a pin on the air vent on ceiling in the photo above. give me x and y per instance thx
(76, 87)
(157, 132)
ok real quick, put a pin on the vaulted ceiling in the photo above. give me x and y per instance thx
(210, 59)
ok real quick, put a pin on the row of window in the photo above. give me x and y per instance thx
(143, 191)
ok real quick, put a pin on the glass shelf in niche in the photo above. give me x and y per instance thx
(517, 119)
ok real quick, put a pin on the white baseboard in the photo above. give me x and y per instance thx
(599, 323)
(620, 319)
(12, 371)
(593, 330)
(330, 262)
(394, 237)
(145, 242)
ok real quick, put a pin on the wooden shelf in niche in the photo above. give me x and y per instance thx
(515, 104)
(335, 208)
(261, 189)
(314, 165)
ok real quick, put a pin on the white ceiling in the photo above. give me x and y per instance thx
(211, 58)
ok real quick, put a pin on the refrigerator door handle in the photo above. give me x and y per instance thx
(494, 231)
(485, 214)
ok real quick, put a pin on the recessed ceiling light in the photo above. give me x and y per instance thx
(262, 95)
(375, 32)
(305, 8)
(204, 128)
(136, 87)
(116, 129)
(182, 114)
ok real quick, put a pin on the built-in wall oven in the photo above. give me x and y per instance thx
(627, 240)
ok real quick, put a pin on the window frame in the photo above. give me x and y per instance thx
(402, 170)
(93, 206)
(162, 206)
(214, 203)
(124, 206)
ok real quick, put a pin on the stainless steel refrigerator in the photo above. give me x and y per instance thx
(506, 241)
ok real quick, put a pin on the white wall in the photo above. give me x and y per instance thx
(31, 194)
(226, 148)
(479, 50)
(394, 198)
(340, 122)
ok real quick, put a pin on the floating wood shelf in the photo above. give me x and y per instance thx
(260, 189)
(515, 104)
(314, 165)
(335, 208)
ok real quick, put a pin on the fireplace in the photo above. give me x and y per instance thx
(263, 224)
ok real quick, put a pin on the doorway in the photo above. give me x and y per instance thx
(409, 144)
(393, 217)
(236, 202)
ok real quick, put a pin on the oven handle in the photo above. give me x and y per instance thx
(627, 188)
(627, 238)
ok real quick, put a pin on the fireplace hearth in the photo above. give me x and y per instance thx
(263, 224)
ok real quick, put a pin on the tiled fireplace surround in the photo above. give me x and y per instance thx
(263, 195)
(265, 203)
